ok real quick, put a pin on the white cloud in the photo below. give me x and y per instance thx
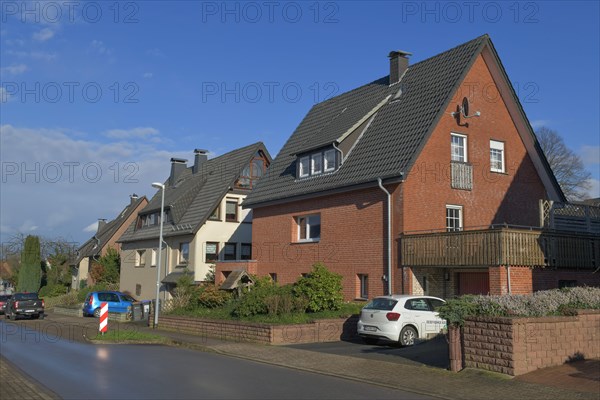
(36, 55)
(91, 228)
(100, 47)
(14, 69)
(590, 155)
(14, 42)
(155, 52)
(594, 191)
(139, 132)
(538, 123)
(65, 179)
(43, 35)
(147, 75)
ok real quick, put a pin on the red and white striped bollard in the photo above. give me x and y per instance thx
(103, 318)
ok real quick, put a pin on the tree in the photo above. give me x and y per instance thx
(108, 268)
(30, 273)
(566, 165)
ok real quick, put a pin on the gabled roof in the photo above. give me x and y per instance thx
(195, 196)
(393, 140)
(93, 247)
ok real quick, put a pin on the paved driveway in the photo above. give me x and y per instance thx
(432, 352)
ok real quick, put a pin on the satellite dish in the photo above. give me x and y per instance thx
(465, 107)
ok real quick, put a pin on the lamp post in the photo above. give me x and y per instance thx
(160, 241)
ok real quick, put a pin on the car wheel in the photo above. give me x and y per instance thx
(97, 312)
(35, 316)
(7, 315)
(408, 334)
(370, 340)
(41, 316)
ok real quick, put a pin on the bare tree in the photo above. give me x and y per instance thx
(566, 165)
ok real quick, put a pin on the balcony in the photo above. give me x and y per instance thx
(496, 246)
(462, 175)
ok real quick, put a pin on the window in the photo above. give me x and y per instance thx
(229, 251)
(496, 156)
(417, 305)
(140, 258)
(454, 218)
(273, 276)
(304, 171)
(329, 157)
(212, 252)
(153, 258)
(458, 147)
(231, 208)
(216, 214)
(309, 228)
(246, 251)
(138, 289)
(184, 253)
(253, 171)
(364, 286)
(316, 166)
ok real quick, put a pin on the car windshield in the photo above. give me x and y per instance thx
(4, 297)
(26, 296)
(127, 297)
(381, 304)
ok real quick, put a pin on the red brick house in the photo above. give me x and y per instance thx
(418, 182)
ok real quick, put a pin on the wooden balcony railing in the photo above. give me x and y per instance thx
(500, 246)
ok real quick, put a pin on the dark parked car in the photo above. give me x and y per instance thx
(24, 304)
(3, 300)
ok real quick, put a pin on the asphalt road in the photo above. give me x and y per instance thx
(74, 370)
(432, 352)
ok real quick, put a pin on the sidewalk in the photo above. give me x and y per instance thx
(15, 385)
(468, 384)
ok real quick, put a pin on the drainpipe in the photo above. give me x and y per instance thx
(508, 278)
(341, 154)
(389, 235)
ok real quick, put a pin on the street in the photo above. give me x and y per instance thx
(75, 370)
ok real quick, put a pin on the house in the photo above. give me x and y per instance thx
(105, 237)
(204, 221)
(418, 182)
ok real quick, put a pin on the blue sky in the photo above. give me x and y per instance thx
(96, 97)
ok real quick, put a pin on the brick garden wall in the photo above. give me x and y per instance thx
(330, 330)
(515, 346)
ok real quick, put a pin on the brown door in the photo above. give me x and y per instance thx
(473, 283)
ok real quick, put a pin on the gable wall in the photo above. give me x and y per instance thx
(496, 198)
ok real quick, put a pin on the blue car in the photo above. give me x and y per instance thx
(117, 302)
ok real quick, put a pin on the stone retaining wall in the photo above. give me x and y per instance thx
(515, 346)
(320, 331)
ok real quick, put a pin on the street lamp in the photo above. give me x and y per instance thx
(160, 241)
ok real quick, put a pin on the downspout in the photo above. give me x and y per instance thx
(508, 278)
(389, 236)
(341, 154)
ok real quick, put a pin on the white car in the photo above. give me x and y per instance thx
(400, 318)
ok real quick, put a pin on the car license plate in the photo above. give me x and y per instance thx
(29, 310)
(370, 328)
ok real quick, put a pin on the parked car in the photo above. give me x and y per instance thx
(400, 318)
(117, 302)
(3, 300)
(28, 304)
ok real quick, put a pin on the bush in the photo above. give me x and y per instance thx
(322, 288)
(549, 302)
(209, 296)
(253, 301)
(52, 291)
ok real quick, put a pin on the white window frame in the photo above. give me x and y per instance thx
(460, 217)
(153, 257)
(308, 219)
(497, 146)
(313, 170)
(140, 258)
(452, 147)
(304, 165)
(181, 259)
(326, 165)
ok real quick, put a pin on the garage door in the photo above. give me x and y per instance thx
(473, 283)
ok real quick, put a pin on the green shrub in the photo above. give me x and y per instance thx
(322, 288)
(252, 302)
(210, 296)
(52, 291)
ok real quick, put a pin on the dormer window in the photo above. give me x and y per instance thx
(317, 163)
(253, 171)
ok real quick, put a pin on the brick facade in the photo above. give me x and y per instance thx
(515, 346)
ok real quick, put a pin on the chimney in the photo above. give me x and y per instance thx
(398, 65)
(178, 165)
(133, 198)
(200, 157)
(101, 223)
